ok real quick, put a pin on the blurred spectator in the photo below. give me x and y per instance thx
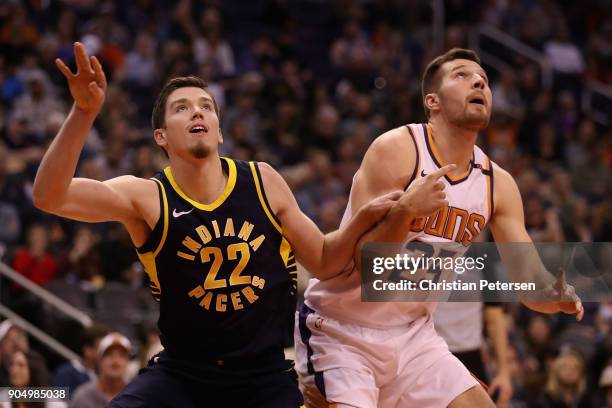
(605, 384)
(83, 261)
(12, 195)
(38, 103)
(12, 339)
(114, 355)
(353, 51)
(210, 46)
(29, 369)
(566, 385)
(542, 223)
(74, 373)
(35, 262)
(564, 56)
(507, 98)
(140, 67)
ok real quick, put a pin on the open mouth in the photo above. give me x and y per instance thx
(478, 101)
(198, 129)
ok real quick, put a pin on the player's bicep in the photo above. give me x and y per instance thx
(508, 222)
(90, 200)
(386, 167)
(301, 232)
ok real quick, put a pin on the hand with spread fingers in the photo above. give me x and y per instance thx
(88, 85)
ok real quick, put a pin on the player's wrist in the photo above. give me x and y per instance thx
(88, 114)
(406, 206)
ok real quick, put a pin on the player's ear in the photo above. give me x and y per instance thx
(220, 136)
(160, 137)
(432, 101)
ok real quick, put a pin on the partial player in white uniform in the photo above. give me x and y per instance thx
(460, 324)
(387, 354)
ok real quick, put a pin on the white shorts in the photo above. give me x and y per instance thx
(355, 366)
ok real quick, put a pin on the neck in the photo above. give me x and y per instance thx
(454, 144)
(202, 181)
(111, 386)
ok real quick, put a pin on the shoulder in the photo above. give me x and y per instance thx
(277, 191)
(503, 180)
(390, 160)
(138, 190)
(393, 143)
(506, 194)
(132, 183)
(270, 178)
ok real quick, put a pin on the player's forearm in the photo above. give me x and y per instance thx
(59, 163)
(339, 246)
(543, 307)
(496, 327)
(393, 228)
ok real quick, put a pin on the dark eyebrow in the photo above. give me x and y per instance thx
(185, 100)
(458, 67)
(182, 100)
(484, 74)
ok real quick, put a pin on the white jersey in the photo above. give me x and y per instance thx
(460, 325)
(470, 206)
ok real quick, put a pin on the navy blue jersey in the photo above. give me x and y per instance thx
(223, 273)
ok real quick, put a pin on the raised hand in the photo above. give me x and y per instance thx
(569, 302)
(426, 195)
(88, 85)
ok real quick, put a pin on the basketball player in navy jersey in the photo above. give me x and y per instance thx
(219, 239)
(387, 354)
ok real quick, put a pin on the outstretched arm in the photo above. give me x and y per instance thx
(55, 188)
(325, 256)
(508, 226)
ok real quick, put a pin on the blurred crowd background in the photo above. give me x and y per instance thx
(305, 85)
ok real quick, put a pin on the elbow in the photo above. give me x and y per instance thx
(41, 201)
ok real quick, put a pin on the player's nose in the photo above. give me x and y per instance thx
(197, 114)
(478, 82)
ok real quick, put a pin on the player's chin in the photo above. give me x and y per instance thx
(475, 120)
(200, 151)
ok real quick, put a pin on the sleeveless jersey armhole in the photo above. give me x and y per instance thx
(417, 163)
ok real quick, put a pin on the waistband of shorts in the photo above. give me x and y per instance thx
(344, 321)
(268, 360)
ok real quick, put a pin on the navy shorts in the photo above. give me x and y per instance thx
(158, 385)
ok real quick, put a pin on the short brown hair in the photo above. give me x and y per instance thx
(431, 81)
(159, 109)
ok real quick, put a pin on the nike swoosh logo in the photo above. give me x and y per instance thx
(176, 214)
(423, 173)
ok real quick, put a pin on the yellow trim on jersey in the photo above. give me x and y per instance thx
(229, 187)
(148, 258)
(434, 150)
(163, 213)
(262, 201)
(148, 261)
(285, 253)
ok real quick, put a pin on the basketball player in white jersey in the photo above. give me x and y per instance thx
(387, 354)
